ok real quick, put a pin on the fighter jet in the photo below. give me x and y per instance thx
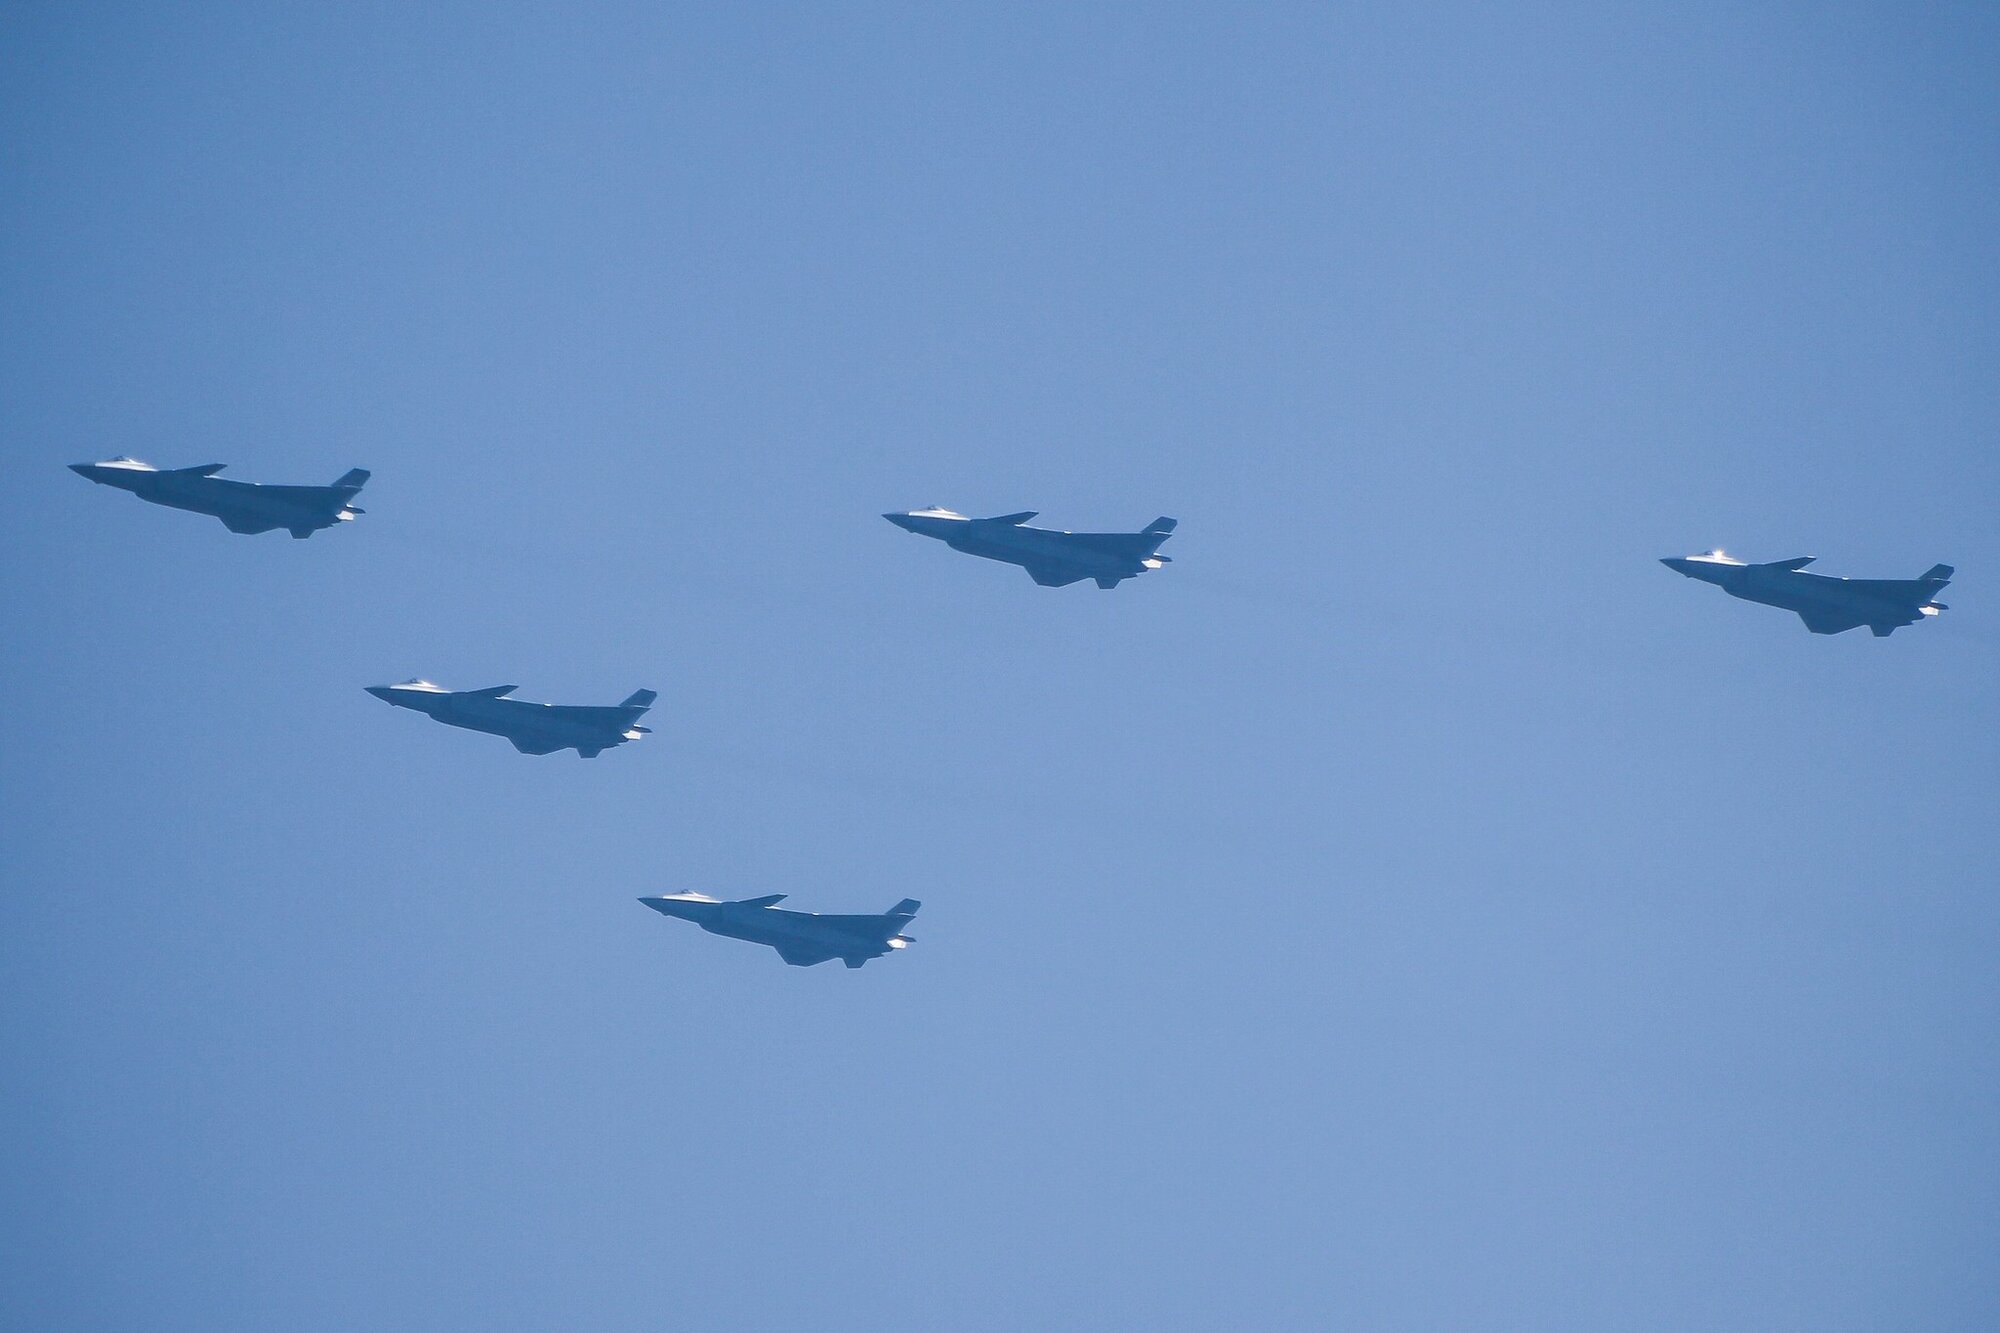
(1051, 558)
(241, 505)
(534, 728)
(801, 938)
(1827, 605)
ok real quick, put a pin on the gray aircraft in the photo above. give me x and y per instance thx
(801, 938)
(1827, 605)
(242, 506)
(1051, 558)
(534, 728)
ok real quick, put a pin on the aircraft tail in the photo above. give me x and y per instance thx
(904, 909)
(640, 699)
(353, 479)
(1938, 574)
(1161, 526)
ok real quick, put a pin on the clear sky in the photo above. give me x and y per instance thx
(1412, 909)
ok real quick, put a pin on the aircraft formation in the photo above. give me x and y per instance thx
(1051, 557)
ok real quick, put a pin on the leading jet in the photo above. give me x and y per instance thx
(801, 938)
(534, 728)
(242, 506)
(1051, 558)
(1827, 605)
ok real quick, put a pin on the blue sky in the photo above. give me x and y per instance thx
(1413, 908)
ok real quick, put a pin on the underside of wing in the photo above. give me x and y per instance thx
(1054, 576)
(536, 747)
(800, 956)
(1888, 590)
(306, 497)
(1831, 622)
(245, 524)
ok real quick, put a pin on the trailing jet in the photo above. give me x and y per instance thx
(534, 728)
(1051, 558)
(801, 938)
(1827, 605)
(242, 506)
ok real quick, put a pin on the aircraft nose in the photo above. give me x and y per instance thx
(1676, 563)
(83, 469)
(902, 521)
(382, 692)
